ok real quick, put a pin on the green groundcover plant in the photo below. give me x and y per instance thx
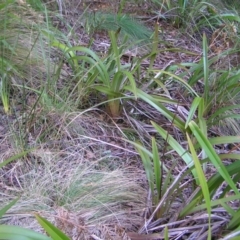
(177, 198)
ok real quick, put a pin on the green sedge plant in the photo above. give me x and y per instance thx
(199, 154)
(106, 75)
(178, 10)
(165, 188)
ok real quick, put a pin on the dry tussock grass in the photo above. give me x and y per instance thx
(76, 181)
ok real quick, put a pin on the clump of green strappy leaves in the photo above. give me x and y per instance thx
(217, 104)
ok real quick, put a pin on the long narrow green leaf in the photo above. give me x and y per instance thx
(148, 168)
(230, 17)
(117, 82)
(216, 161)
(166, 233)
(94, 65)
(215, 181)
(213, 185)
(105, 89)
(202, 182)
(7, 207)
(54, 232)
(150, 154)
(203, 127)
(234, 156)
(228, 116)
(15, 157)
(205, 68)
(220, 111)
(184, 154)
(153, 53)
(94, 56)
(235, 221)
(158, 106)
(192, 110)
(214, 203)
(18, 233)
(157, 167)
(115, 49)
(182, 81)
(132, 82)
(224, 140)
(233, 235)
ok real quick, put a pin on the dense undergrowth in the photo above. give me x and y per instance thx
(119, 120)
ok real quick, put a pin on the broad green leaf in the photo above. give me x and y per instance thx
(18, 233)
(54, 232)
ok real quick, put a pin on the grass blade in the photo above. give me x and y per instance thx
(157, 167)
(158, 106)
(7, 207)
(15, 157)
(18, 233)
(202, 182)
(54, 232)
(177, 147)
(192, 110)
(148, 168)
(206, 145)
(205, 68)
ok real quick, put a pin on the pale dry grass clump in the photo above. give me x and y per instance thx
(24, 50)
(83, 187)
